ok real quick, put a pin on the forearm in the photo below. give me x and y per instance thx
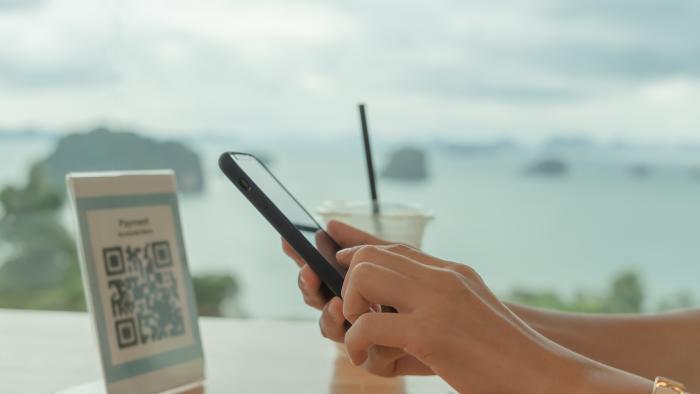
(649, 346)
(599, 378)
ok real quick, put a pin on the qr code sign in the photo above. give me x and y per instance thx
(144, 299)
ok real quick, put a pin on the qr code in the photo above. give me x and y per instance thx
(145, 303)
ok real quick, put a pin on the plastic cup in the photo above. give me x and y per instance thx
(401, 223)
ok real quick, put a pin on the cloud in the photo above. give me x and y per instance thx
(19, 5)
(625, 39)
(23, 76)
(272, 67)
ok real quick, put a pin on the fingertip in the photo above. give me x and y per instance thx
(332, 225)
(343, 254)
(325, 309)
(341, 232)
(357, 357)
(309, 277)
(335, 309)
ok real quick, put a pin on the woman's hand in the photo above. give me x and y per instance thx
(381, 361)
(449, 321)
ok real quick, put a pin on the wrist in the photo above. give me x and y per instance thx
(589, 376)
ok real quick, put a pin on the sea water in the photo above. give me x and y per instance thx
(565, 234)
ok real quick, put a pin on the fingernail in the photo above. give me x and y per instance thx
(358, 358)
(342, 252)
(336, 314)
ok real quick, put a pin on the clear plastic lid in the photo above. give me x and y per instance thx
(403, 223)
(387, 210)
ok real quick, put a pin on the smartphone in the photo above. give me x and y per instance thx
(291, 220)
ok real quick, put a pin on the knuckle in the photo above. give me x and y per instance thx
(467, 271)
(398, 248)
(381, 361)
(373, 368)
(300, 282)
(378, 367)
(365, 251)
(447, 276)
(352, 338)
(363, 266)
(362, 269)
(352, 316)
(315, 302)
(360, 324)
(419, 343)
(456, 280)
(445, 280)
(327, 325)
(312, 300)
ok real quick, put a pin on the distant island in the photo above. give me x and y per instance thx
(640, 170)
(548, 167)
(105, 150)
(406, 164)
(695, 173)
(487, 148)
(569, 142)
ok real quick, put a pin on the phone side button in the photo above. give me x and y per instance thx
(244, 184)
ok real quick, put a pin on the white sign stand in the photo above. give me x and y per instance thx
(137, 283)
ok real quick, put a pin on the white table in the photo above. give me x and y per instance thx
(41, 352)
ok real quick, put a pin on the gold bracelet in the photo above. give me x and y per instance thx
(667, 386)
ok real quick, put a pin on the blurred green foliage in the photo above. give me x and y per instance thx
(40, 270)
(39, 261)
(211, 290)
(624, 295)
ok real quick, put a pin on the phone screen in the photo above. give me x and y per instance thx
(290, 207)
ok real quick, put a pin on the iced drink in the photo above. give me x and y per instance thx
(401, 223)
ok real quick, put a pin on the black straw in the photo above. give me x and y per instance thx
(368, 159)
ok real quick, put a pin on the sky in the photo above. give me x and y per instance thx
(524, 69)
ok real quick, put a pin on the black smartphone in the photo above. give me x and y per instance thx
(287, 216)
